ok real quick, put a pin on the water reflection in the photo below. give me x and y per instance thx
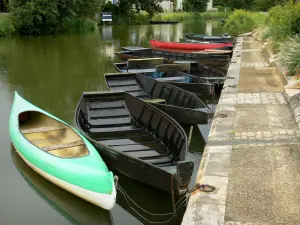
(74, 209)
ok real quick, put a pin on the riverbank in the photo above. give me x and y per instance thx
(251, 156)
(143, 17)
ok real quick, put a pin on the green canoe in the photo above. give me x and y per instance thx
(59, 153)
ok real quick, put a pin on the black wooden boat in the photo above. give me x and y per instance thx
(202, 37)
(213, 60)
(185, 107)
(185, 40)
(150, 67)
(136, 139)
(175, 74)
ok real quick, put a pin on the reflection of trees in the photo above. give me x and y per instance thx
(53, 71)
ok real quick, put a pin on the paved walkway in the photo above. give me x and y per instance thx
(252, 155)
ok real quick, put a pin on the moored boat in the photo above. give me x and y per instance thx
(214, 60)
(60, 154)
(185, 107)
(175, 74)
(203, 37)
(190, 46)
(186, 40)
(148, 67)
(136, 139)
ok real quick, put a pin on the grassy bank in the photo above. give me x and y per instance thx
(281, 36)
(143, 17)
(182, 16)
(242, 21)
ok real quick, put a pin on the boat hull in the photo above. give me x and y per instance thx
(101, 200)
(158, 162)
(185, 107)
(202, 37)
(189, 46)
(208, 60)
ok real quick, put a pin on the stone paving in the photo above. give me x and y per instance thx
(252, 154)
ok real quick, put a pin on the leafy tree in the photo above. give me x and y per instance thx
(195, 5)
(50, 16)
(4, 6)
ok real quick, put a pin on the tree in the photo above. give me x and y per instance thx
(50, 16)
(195, 5)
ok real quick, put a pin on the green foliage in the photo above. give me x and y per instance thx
(221, 8)
(195, 5)
(265, 5)
(284, 21)
(133, 19)
(79, 25)
(6, 27)
(175, 3)
(48, 17)
(290, 54)
(129, 7)
(182, 16)
(242, 21)
(4, 5)
(240, 4)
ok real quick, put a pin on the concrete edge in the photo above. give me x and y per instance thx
(209, 208)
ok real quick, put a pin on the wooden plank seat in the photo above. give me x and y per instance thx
(180, 78)
(41, 129)
(156, 100)
(63, 145)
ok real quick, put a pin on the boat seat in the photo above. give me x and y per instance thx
(155, 100)
(63, 146)
(41, 129)
(180, 78)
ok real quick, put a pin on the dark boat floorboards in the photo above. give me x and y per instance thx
(108, 112)
(115, 129)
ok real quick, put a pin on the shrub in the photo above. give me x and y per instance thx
(284, 21)
(6, 27)
(290, 54)
(239, 22)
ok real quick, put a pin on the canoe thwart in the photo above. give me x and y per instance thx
(156, 100)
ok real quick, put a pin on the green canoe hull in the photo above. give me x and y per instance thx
(87, 177)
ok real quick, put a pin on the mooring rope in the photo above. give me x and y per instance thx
(176, 206)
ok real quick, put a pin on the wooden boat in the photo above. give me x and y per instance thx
(185, 107)
(74, 209)
(214, 60)
(190, 46)
(59, 153)
(202, 37)
(150, 67)
(163, 22)
(136, 139)
(175, 74)
(185, 40)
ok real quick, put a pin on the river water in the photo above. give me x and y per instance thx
(52, 72)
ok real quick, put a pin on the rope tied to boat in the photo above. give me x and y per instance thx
(230, 86)
(202, 188)
(220, 115)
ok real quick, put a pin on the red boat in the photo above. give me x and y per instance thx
(190, 46)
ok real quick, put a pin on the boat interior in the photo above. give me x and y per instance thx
(153, 91)
(51, 135)
(128, 125)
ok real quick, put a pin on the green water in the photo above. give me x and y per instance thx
(52, 72)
